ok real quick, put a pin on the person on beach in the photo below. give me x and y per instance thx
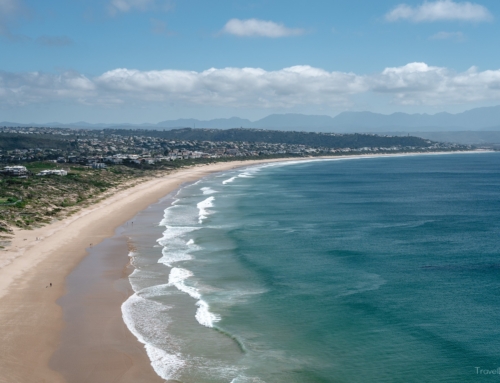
(50, 284)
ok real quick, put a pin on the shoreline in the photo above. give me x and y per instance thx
(95, 344)
(31, 319)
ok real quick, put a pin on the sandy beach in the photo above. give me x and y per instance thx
(31, 317)
(31, 320)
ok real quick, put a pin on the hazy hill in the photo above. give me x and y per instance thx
(280, 137)
(487, 118)
(218, 123)
(475, 119)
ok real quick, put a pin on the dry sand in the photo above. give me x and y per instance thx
(31, 321)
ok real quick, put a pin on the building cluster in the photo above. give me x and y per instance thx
(96, 148)
(15, 171)
(55, 172)
(22, 171)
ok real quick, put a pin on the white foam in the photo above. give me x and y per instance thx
(207, 190)
(178, 276)
(203, 315)
(179, 215)
(247, 379)
(190, 242)
(140, 279)
(174, 232)
(132, 255)
(169, 257)
(202, 207)
(165, 365)
(141, 316)
(245, 175)
(175, 249)
(167, 213)
(228, 180)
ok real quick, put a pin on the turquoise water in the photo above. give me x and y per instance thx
(356, 270)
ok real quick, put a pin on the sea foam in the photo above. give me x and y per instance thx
(178, 276)
(203, 315)
(175, 249)
(202, 207)
(208, 190)
(142, 317)
(245, 175)
(246, 379)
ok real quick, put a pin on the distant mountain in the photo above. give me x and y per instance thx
(468, 137)
(219, 123)
(293, 121)
(486, 119)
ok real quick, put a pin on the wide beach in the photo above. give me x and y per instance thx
(31, 320)
(32, 324)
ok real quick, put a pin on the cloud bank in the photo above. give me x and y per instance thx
(440, 10)
(259, 28)
(411, 84)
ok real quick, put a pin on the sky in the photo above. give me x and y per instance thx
(139, 61)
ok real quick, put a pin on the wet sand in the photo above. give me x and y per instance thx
(95, 345)
(31, 320)
(90, 342)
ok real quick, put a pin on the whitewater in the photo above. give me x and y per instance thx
(302, 272)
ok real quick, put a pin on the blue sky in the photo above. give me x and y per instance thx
(152, 60)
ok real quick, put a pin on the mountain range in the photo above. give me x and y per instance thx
(478, 119)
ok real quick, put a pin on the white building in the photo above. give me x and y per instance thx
(15, 170)
(57, 172)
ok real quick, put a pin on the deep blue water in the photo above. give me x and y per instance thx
(373, 269)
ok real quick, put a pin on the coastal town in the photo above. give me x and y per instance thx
(50, 173)
(100, 148)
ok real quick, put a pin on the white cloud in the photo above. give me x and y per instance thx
(440, 10)
(17, 89)
(456, 36)
(116, 6)
(234, 86)
(421, 84)
(411, 84)
(260, 28)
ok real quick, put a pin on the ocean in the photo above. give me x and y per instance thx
(382, 269)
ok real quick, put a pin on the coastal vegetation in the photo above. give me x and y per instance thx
(313, 139)
(34, 201)
(100, 162)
